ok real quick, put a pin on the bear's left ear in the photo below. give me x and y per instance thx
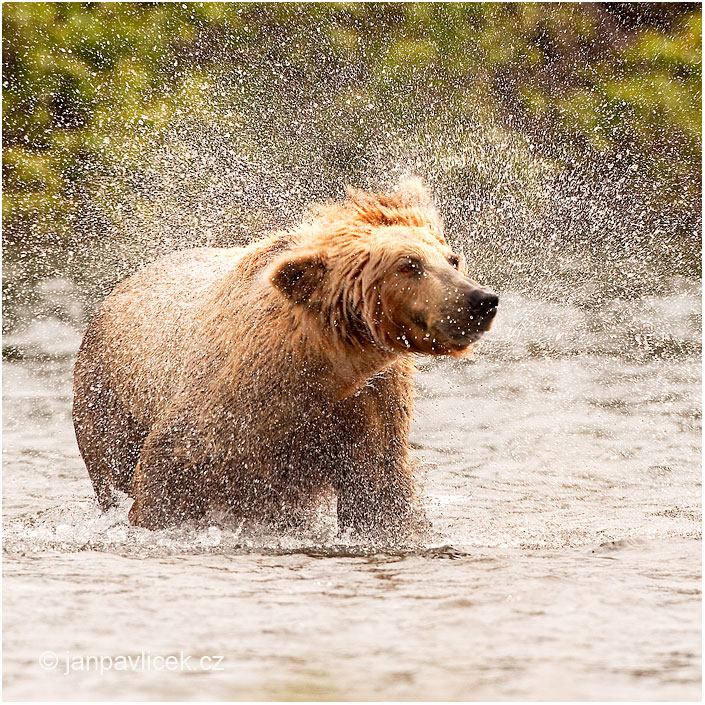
(298, 275)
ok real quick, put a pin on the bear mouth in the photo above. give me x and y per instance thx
(457, 339)
(464, 341)
(448, 337)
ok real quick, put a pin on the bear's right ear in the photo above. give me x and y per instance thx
(298, 275)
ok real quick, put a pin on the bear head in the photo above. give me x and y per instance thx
(376, 270)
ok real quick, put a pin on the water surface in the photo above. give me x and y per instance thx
(562, 475)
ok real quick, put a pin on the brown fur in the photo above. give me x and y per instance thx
(252, 380)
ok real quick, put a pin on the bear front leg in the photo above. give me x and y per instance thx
(380, 505)
(168, 482)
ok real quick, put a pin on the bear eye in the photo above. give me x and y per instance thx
(454, 261)
(409, 266)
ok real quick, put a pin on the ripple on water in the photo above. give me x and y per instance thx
(564, 491)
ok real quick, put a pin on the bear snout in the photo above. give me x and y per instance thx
(469, 315)
(481, 305)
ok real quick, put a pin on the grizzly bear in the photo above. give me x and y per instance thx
(254, 380)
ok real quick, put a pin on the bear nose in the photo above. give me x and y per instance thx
(482, 303)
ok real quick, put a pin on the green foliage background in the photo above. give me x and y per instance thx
(598, 79)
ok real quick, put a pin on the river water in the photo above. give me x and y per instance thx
(563, 478)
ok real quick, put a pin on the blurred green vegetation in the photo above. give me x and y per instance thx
(81, 80)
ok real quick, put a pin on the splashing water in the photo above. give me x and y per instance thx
(561, 466)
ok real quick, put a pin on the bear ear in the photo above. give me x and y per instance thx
(413, 189)
(298, 275)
